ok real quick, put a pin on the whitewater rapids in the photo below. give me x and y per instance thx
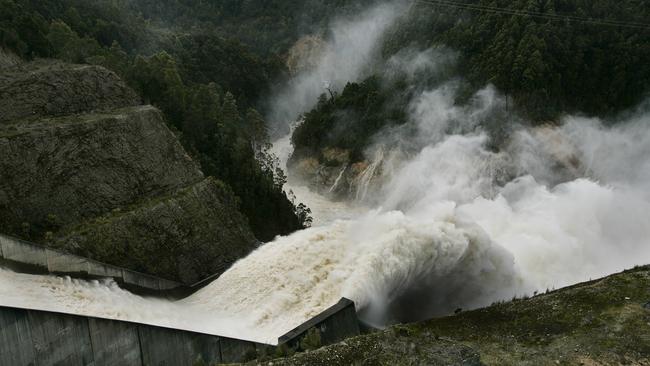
(443, 235)
(445, 238)
(443, 221)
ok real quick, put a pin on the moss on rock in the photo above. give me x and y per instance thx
(187, 236)
(602, 322)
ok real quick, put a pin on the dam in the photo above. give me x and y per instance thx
(33, 335)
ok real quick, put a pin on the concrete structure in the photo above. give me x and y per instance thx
(334, 325)
(41, 338)
(30, 337)
(26, 257)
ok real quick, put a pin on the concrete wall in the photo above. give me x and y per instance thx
(334, 325)
(28, 257)
(38, 338)
(41, 338)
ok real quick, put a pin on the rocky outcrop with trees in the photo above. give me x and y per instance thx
(86, 169)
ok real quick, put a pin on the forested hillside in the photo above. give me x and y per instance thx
(206, 84)
(208, 65)
(547, 65)
(266, 26)
(544, 67)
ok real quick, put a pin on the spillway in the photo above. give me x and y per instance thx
(443, 236)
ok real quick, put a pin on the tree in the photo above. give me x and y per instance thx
(256, 129)
(203, 117)
(158, 81)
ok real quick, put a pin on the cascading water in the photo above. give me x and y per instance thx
(446, 235)
(451, 224)
(364, 180)
(337, 181)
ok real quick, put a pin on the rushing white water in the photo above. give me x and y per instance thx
(105, 299)
(337, 181)
(443, 222)
(448, 236)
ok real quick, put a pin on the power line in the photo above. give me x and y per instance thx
(551, 16)
(534, 14)
(548, 16)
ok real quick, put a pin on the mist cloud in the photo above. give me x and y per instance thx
(351, 49)
(452, 222)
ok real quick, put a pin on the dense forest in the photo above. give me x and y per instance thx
(206, 84)
(208, 65)
(548, 66)
(544, 67)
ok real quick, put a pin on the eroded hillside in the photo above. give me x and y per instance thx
(87, 169)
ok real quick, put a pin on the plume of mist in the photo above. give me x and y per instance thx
(453, 222)
(564, 202)
(554, 205)
(351, 48)
(411, 63)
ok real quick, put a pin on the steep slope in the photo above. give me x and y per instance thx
(80, 167)
(194, 233)
(603, 322)
(87, 169)
(46, 88)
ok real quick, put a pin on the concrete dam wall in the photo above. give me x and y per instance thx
(27, 257)
(47, 338)
(30, 337)
(41, 338)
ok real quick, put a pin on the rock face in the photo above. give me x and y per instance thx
(80, 167)
(8, 59)
(46, 88)
(194, 233)
(84, 168)
(332, 173)
(305, 53)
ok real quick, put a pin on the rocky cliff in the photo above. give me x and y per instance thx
(193, 233)
(81, 166)
(49, 88)
(87, 169)
(332, 173)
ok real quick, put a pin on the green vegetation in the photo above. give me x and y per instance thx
(192, 234)
(544, 68)
(600, 322)
(207, 65)
(267, 27)
(206, 85)
(548, 67)
(348, 120)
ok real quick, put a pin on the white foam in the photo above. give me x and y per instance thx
(443, 229)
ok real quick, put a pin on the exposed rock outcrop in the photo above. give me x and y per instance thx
(305, 53)
(80, 167)
(49, 88)
(334, 174)
(87, 169)
(194, 233)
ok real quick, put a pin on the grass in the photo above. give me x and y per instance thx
(601, 322)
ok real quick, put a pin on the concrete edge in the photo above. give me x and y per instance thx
(27, 257)
(152, 343)
(319, 321)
